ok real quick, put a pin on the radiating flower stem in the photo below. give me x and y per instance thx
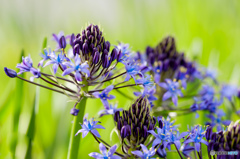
(178, 151)
(75, 140)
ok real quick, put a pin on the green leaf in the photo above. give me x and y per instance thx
(31, 126)
(17, 111)
(44, 45)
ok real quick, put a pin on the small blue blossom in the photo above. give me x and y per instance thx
(216, 120)
(162, 135)
(105, 154)
(125, 52)
(26, 64)
(60, 40)
(56, 61)
(211, 73)
(182, 76)
(207, 92)
(173, 90)
(36, 73)
(146, 154)
(45, 55)
(145, 81)
(196, 136)
(89, 126)
(104, 96)
(78, 67)
(174, 138)
(132, 69)
(228, 91)
(157, 69)
(111, 110)
(149, 92)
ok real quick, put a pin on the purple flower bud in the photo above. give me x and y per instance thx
(74, 111)
(114, 54)
(209, 133)
(119, 55)
(88, 33)
(10, 73)
(238, 95)
(85, 48)
(161, 152)
(119, 124)
(160, 123)
(78, 35)
(116, 116)
(72, 39)
(213, 136)
(76, 49)
(107, 45)
(62, 42)
(125, 131)
(105, 61)
(145, 133)
(96, 57)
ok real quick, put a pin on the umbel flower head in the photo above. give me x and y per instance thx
(133, 125)
(228, 140)
(90, 61)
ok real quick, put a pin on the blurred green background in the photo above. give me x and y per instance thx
(208, 29)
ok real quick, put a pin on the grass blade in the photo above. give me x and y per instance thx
(16, 112)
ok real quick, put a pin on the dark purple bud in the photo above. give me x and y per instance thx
(10, 73)
(210, 146)
(116, 116)
(151, 126)
(74, 111)
(105, 61)
(216, 146)
(88, 33)
(114, 54)
(213, 136)
(96, 57)
(152, 59)
(238, 95)
(105, 52)
(161, 152)
(209, 133)
(76, 49)
(85, 48)
(72, 39)
(165, 65)
(119, 55)
(78, 35)
(99, 47)
(107, 45)
(145, 133)
(119, 125)
(62, 42)
(125, 131)
(160, 123)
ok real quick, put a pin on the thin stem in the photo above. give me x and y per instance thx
(75, 140)
(45, 87)
(112, 78)
(99, 90)
(178, 151)
(107, 145)
(199, 155)
(64, 79)
(66, 89)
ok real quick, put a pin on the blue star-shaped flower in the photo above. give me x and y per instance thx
(105, 154)
(173, 90)
(57, 60)
(89, 126)
(78, 67)
(104, 96)
(132, 69)
(26, 64)
(196, 136)
(111, 110)
(146, 154)
(45, 55)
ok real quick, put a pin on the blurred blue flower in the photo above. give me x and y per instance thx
(26, 65)
(78, 67)
(125, 52)
(105, 154)
(104, 96)
(174, 138)
(149, 92)
(146, 154)
(89, 126)
(157, 71)
(196, 135)
(56, 61)
(162, 135)
(228, 91)
(207, 92)
(45, 55)
(110, 110)
(173, 90)
(145, 81)
(216, 120)
(132, 69)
